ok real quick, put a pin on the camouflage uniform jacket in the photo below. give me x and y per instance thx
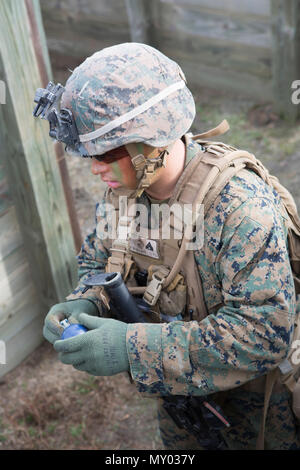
(248, 289)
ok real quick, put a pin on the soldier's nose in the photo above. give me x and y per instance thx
(98, 167)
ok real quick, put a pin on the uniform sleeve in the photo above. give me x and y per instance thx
(247, 336)
(91, 260)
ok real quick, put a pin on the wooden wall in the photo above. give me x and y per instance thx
(224, 44)
(37, 252)
(21, 316)
(76, 29)
(221, 44)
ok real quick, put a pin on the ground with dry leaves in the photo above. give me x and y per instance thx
(48, 405)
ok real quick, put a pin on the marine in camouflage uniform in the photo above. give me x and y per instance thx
(243, 265)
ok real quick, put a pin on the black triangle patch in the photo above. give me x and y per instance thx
(149, 246)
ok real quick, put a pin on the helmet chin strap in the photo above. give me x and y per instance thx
(146, 161)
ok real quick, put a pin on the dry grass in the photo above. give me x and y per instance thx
(47, 405)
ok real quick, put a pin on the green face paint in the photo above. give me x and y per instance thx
(116, 171)
(140, 147)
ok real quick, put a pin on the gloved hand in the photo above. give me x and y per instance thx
(100, 351)
(52, 329)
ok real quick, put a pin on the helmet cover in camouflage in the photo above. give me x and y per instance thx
(118, 80)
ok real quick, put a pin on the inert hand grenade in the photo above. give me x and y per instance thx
(71, 330)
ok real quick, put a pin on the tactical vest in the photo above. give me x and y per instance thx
(173, 281)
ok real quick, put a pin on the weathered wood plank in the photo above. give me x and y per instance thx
(253, 7)
(225, 36)
(226, 49)
(95, 23)
(20, 308)
(44, 67)
(16, 284)
(31, 166)
(255, 62)
(201, 75)
(139, 20)
(10, 237)
(14, 326)
(19, 345)
(68, 11)
(5, 196)
(224, 26)
(25, 295)
(41, 32)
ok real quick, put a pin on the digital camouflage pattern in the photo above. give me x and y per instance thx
(244, 411)
(116, 80)
(249, 292)
(244, 260)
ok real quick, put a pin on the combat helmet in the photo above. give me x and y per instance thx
(128, 95)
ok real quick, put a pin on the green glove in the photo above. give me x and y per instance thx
(52, 329)
(100, 351)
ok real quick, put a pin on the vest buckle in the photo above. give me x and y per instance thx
(154, 287)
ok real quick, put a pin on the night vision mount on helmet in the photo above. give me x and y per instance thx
(62, 124)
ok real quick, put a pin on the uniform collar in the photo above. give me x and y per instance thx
(191, 147)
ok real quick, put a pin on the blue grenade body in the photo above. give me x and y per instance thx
(71, 330)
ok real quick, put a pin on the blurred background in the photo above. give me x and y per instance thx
(242, 63)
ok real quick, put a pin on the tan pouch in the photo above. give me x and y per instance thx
(172, 300)
(173, 303)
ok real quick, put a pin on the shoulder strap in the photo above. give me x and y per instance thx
(215, 173)
(120, 259)
(220, 129)
(201, 182)
(271, 378)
